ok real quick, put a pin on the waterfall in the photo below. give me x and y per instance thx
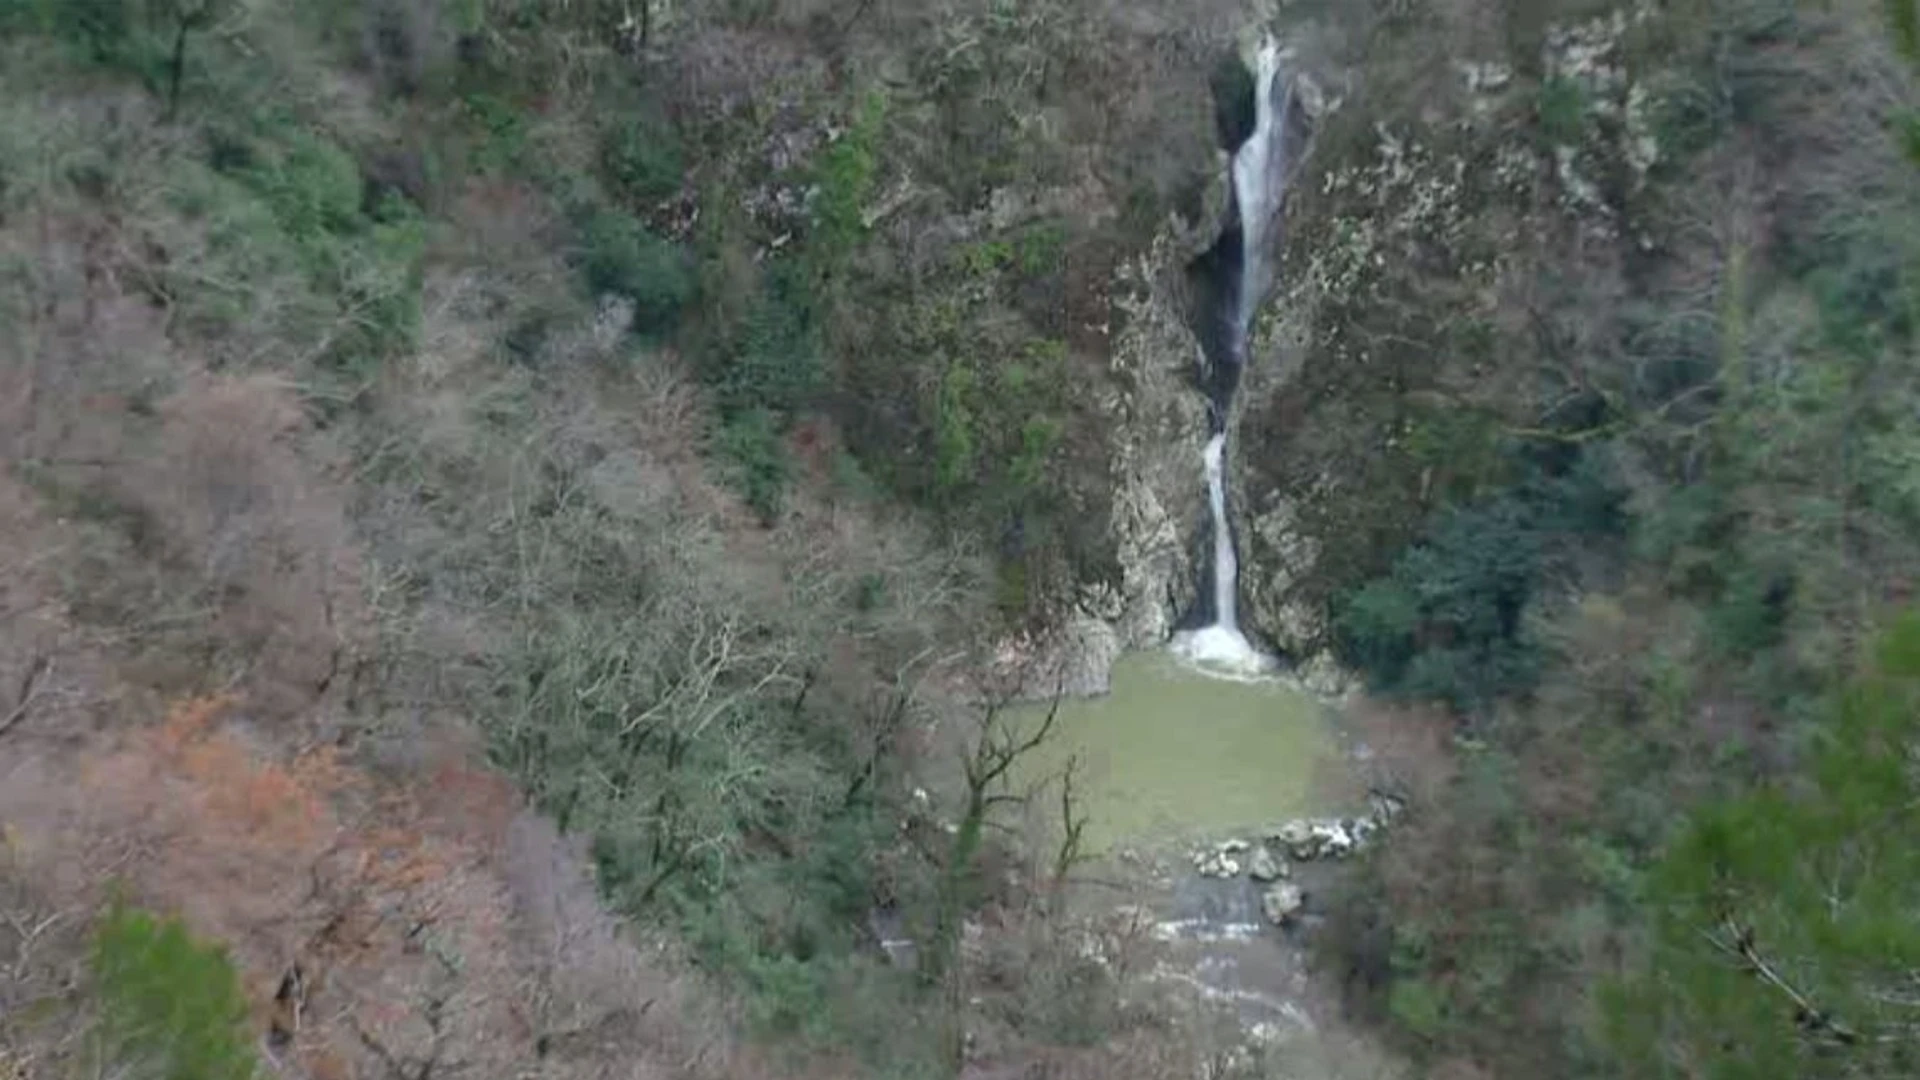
(1259, 182)
(1226, 565)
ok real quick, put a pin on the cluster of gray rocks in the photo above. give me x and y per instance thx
(1269, 861)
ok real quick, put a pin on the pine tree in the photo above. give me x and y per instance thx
(1786, 939)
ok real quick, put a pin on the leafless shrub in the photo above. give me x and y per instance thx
(42, 959)
(403, 41)
(1407, 750)
(237, 498)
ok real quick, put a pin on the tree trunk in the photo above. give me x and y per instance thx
(177, 69)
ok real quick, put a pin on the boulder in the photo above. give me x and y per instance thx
(1282, 902)
(1292, 835)
(1334, 839)
(1215, 863)
(1264, 866)
(1386, 807)
(1309, 839)
(1363, 831)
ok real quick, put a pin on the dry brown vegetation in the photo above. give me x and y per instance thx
(172, 532)
(301, 507)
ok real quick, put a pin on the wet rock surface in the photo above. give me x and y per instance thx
(1235, 914)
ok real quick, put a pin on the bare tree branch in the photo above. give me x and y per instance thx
(29, 692)
(1740, 944)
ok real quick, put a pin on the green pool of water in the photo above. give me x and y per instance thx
(1171, 753)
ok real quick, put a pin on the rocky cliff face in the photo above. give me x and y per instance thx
(1394, 351)
(1159, 428)
(1399, 346)
(1155, 418)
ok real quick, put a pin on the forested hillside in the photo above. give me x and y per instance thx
(519, 520)
(1605, 435)
(503, 505)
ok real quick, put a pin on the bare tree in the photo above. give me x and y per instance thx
(998, 744)
(1073, 826)
(187, 17)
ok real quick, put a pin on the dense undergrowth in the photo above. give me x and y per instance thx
(1625, 453)
(1631, 450)
(438, 318)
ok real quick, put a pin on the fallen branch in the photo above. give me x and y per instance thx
(29, 692)
(1806, 1014)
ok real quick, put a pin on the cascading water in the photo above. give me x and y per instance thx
(1242, 259)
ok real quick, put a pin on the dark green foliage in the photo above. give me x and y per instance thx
(1447, 623)
(845, 173)
(770, 373)
(1750, 611)
(171, 1007)
(620, 255)
(106, 31)
(1861, 272)
(755, 456)
(501, 142)
(777, 366)
(148, 39)
(1563, 112)
(1903, 29)
(642, 157)
(1234, 108)
(313, 186)
(369, 264)
(955, 420)
(1785, 940)
(1687, 118)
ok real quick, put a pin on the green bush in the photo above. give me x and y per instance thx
(313, 185)
(171, 1007)
(955, 428)
(777, 366)
(1417, 1006)
(756, 458)
(844, 177)
(619, 255)
(641, 157)
(1563, 111)
(1750, 611)
(379, 280)
(1784, 935)
(105, 31)
(501, 131)
(1447, 621)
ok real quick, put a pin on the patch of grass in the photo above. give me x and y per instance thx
(171, 1006)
